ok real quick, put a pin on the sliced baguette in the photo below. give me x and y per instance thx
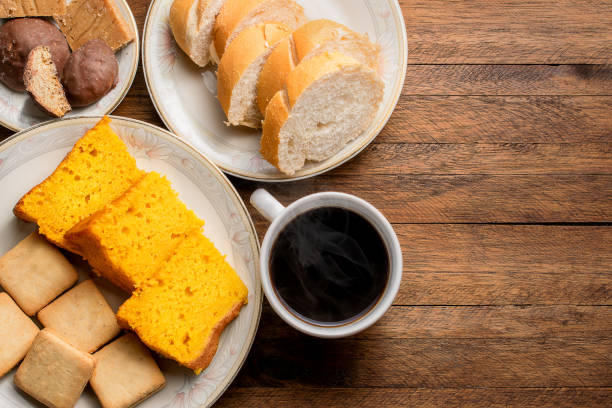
(312, 38)
(192, 23)
(43, 84)
(239, 70)
(237, 15)
(330, 100)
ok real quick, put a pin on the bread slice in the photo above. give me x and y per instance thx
(330, 99)
(96, 171)
(31, 8)
(236, 15)
(239, 71)
(192, 23)
(182, 310)
(312, 38)
(43, 84)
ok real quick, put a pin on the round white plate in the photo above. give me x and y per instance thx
(18, 112)
(30, 156)
(185, 96)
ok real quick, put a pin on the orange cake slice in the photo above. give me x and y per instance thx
(129, 238)
(181, 311)
(96, 171)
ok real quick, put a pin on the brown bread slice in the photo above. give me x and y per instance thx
(42, 82)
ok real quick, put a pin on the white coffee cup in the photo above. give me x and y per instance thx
(280, 216)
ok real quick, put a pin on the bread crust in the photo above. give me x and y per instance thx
(274, 74)
(276, 115)
(249, 45)
(232, 12)
(179, 21)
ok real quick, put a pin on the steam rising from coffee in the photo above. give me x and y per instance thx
(329, 265)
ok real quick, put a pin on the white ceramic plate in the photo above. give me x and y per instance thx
(30, 156)
(18, 112)
(185, 96)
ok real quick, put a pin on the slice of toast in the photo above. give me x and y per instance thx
(43, 84)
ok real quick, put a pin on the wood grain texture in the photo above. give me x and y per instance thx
(480, 158)
(500, 119)
(504, 288)
(448, 80)
(465, 199)
(254, 397)
(470, 322)
(528, 249)
(429, 363)
(485, 131)
(508, 31)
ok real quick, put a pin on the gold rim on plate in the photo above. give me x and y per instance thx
(24, 135)
(126, 11)
(326, 165)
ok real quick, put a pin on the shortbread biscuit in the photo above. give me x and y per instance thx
(54, 372)
(125, 361)
(35, 272)
(17, 333)
(82, 317)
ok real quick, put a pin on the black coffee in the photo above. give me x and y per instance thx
(329, 265)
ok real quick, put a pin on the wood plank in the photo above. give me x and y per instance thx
(523, 249)
(470, 322)
(429, 363)
(464, 199)
(504, 288)
(480, 158)
(500, 119)
(508, 31)
(508, 80)
(256, 397)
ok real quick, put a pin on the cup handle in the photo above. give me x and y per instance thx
(266, 204)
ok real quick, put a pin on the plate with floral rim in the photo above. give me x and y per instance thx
(18, 111)
(30, 156)
(185, 95)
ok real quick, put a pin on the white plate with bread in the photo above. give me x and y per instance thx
(94, 49)
(76, 318)
(275, 90)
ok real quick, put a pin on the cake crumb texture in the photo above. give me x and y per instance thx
(96, 171)
(131, 237)
(181, 311)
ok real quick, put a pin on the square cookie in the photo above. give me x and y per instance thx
(53, 372)
(17, 332)
(125, 361)
(35, 272)
(82, 317)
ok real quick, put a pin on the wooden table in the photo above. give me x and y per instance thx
(496, 172)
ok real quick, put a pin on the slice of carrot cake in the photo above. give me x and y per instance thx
(96, 171)
(131, 237)
(182, 310)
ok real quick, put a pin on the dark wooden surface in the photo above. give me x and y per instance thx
(496, 171)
